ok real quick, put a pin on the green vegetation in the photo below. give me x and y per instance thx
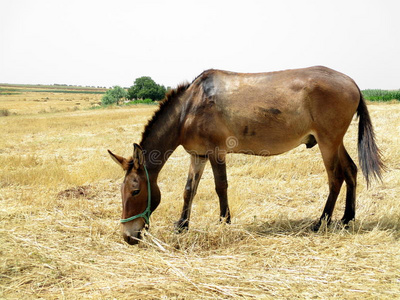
(116, 95)
(381, 95)
(146, 88)
(144, 91)
(9, 91)
(144, 101)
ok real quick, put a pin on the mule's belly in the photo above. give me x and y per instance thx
(242, 135)
(252, 146)
(267, 129)
(267, 140)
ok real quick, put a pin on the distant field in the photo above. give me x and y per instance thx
(13, 91)
(32, 87)
(29, 99)
(60, 205)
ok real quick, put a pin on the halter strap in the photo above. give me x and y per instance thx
(146, 214)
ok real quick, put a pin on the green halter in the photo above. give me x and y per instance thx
(146, 214)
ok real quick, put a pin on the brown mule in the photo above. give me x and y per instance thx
(260, 114)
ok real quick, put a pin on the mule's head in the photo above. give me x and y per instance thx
(139, 195)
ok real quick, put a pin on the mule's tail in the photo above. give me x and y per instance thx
(369, 155)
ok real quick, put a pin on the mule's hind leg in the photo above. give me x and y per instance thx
(350, 176)
(221, 187)
(197, 164)
(330, 156)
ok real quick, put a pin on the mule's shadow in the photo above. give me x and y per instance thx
(302, 227)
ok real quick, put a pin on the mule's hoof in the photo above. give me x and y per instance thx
(345, 223)
(315, 227)
(181, 225)
(226, 220)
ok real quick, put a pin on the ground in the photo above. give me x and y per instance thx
(60, 206)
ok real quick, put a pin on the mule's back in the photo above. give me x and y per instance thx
(268, 113)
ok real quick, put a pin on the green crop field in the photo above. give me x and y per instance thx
(381, 95)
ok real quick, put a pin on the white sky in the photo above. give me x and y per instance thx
(105, 43)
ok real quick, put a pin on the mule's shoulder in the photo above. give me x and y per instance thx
(210, 73)
(206, 81)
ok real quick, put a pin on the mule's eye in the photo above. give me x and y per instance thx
(135, 192)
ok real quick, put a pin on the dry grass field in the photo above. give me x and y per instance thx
(45, 100)
(60, 208)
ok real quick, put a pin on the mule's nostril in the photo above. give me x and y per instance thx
(132, 240)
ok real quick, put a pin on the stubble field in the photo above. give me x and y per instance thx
(60, 205)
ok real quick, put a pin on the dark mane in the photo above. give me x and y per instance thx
(172, 94)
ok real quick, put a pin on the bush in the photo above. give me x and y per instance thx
(146, 101)
(114, 96)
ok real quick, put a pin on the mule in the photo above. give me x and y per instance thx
(262, 114)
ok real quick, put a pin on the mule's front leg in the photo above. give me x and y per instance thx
(221, 186)
(195, 172)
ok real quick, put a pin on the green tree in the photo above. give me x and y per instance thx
(146, 88)
(114, 95)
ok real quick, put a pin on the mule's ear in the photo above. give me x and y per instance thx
(123, 162)
(138, 157)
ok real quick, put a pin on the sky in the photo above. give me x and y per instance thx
(107, 43)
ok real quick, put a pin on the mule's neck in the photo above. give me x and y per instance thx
(162, 138)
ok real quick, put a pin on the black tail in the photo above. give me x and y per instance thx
(369, 155)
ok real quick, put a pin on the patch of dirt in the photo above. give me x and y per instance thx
(85, 191)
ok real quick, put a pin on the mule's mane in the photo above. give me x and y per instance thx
(170, 96)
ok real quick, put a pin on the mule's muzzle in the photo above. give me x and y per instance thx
(133, 239)
(132, 231)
